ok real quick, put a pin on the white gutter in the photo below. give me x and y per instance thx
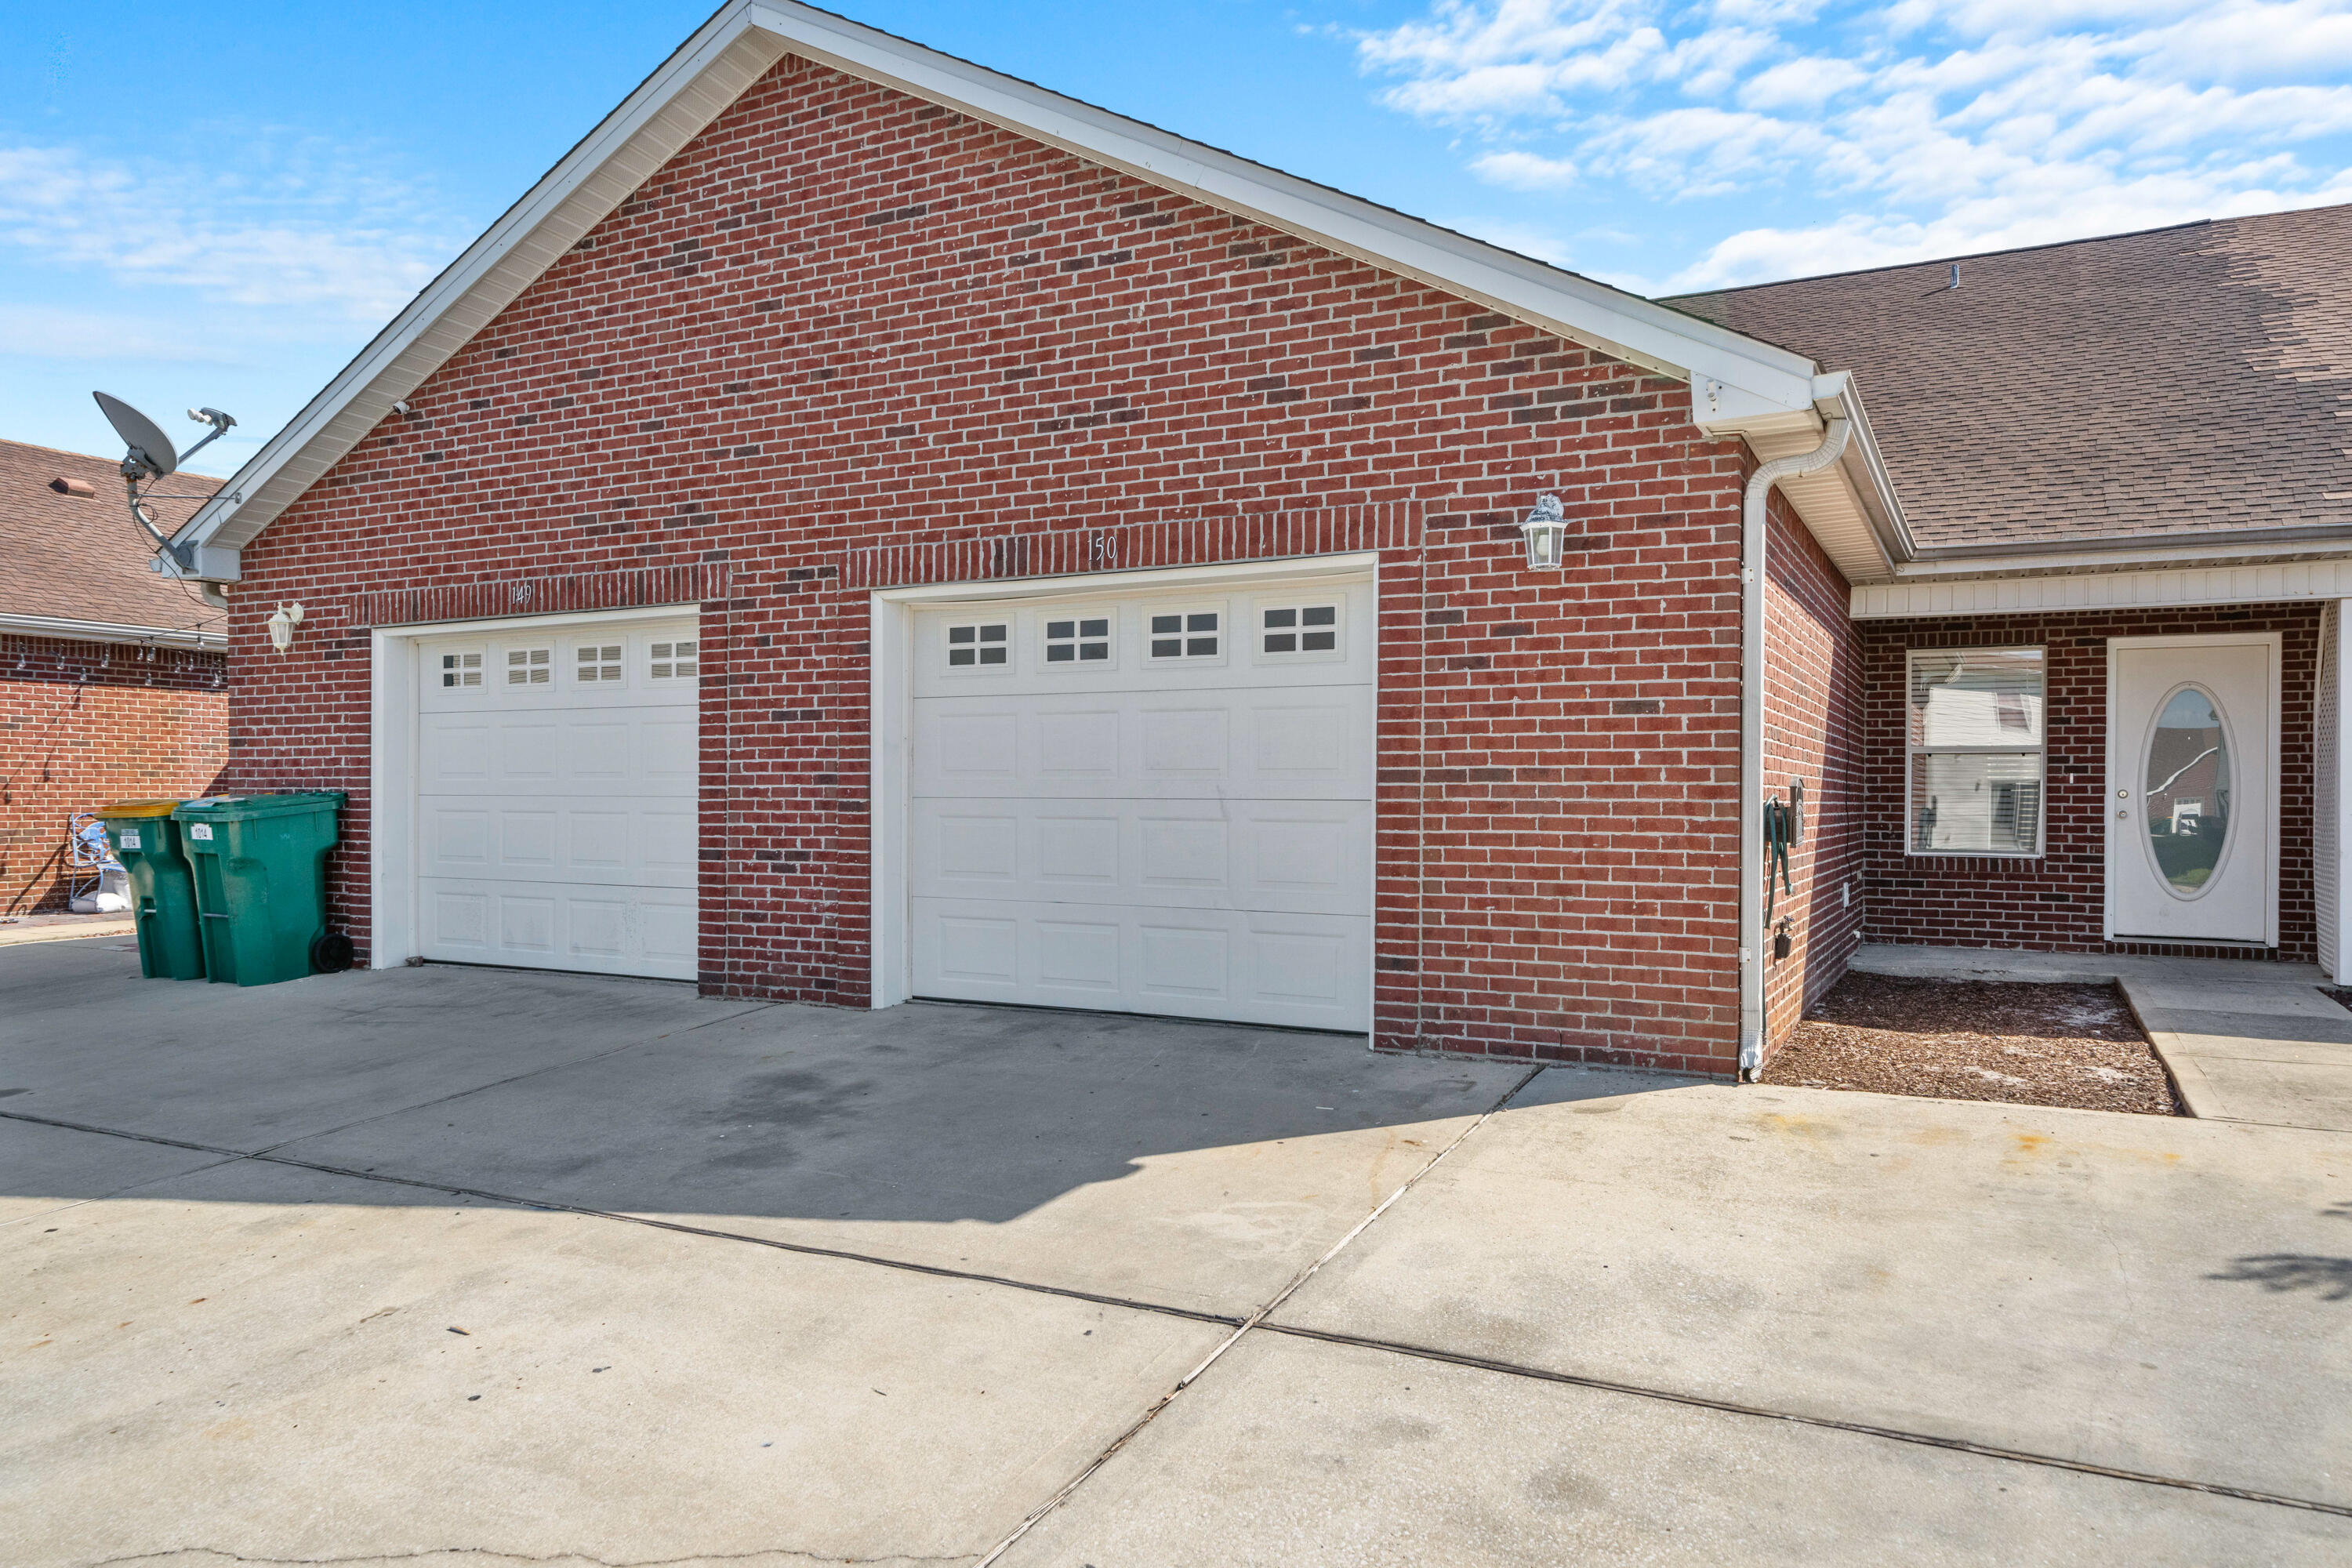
(1752, 534)
(70, 630)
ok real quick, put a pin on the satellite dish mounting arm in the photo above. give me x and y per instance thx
(148, 456)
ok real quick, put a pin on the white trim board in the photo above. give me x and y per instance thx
(1741, 385)
(2155, 588)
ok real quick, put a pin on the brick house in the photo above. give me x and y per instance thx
(110, 677)
(864, 527)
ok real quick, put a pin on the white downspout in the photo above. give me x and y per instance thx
(1752, 533)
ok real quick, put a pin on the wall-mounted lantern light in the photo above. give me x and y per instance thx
(1547, 533)
(282, 625)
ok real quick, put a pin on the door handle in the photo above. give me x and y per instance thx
(2121, 814)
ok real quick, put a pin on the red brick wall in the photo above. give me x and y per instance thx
(86, 724)
(1813, 702)
(844, 337)
(2056, 903)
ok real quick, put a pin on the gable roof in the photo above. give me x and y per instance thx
(2177, 384)
(78, 566)
(1741, 385)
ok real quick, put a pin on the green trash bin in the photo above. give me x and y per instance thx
(261, 864)
(163, 887)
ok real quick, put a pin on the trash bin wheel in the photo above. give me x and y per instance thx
(330, 953)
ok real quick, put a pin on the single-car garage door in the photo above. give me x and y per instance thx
(555, 798)
(1153, 803)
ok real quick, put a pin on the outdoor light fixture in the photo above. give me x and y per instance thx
(1546, 531)
(282, 625)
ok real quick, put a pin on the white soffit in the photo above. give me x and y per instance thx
(1757, 385)
(2151, 588)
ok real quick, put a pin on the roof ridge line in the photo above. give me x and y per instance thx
(1978, 255)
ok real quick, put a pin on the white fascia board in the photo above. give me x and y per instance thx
(70, 630)
(2119, 588)
(689, 90)
(1622, 325)
(2221, 551)
(731, 50)
(1849, 507)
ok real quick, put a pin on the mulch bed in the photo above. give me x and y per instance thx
(1978, 1039)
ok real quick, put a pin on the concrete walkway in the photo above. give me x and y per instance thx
(64, 928)
(2244, 1041)
(464, 1269)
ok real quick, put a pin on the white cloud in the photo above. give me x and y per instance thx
(1807, 80)
(52, 332)
(301, 225)
(1525, 171)
(1897, 131)
(2057, 211)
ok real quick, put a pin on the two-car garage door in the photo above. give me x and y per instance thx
(1150, 801)
(554, 814)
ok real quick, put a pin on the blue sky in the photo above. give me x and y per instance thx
(229, 224)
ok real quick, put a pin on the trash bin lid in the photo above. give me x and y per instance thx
(128, 808)
(242, 807)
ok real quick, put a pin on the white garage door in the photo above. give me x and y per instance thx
(555, 804)
(1151, 803)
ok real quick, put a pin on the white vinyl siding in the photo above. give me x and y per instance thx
(1974, 762)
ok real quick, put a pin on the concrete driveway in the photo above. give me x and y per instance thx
(444, 1267)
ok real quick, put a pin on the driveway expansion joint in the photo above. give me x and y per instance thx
(1255, 1320)
(1826, 1423)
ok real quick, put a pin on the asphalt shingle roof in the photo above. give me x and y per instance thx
(85, 559)
(2181, 381)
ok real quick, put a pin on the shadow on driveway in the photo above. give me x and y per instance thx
(1191, 1165)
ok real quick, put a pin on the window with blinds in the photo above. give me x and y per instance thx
(1974, 751)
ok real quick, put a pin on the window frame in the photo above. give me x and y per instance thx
(1186, 660)
(1259, 631)
(609, 656)
(479, 668)
(662, 668)
(1912, 750)
(949, 626)
(1046, 620)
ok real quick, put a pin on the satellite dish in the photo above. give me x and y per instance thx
(150, 449)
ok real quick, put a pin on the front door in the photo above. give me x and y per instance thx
(2191, 801)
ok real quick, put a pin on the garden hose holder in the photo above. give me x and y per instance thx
(1784, 829)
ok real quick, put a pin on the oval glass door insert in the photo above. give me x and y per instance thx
(2186, 803)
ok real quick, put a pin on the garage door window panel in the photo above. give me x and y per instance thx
(1076, 639)
(1300, 632)
(600, 664)
(978, 646)
(461, 670)
(1192, 634)
(528, 666)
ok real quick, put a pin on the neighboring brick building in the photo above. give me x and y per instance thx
(110, 677)
(864, 527)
